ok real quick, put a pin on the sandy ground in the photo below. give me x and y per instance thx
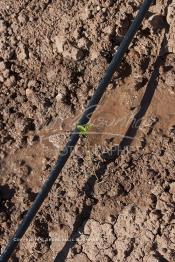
(115, 198)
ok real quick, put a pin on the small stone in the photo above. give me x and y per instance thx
(77, 54)
(59, 97)
(31, 96)
(22, 91)
(94, 54)
(22, 18)
(14, 27)
(20, 99)
(51, 74)
(29, 92)
(76, 33)
(31, 83)
(13, 41)
(59, 42)
(82, 42)
(10, 32)
(2, 66)
(10, 81)
(172, 188)
(2, 26)
(6, 73)
(21, 52)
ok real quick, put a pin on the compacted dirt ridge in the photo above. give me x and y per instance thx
(115, 198)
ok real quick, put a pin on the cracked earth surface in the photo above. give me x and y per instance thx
(115, 198)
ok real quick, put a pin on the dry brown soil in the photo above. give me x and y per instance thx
(115, 198)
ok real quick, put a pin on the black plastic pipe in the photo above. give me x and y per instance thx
(117, 58)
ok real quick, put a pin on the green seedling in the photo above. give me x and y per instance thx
(84, 129)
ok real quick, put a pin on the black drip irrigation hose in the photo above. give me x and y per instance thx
(117, 58)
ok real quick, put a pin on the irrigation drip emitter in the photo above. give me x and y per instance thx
(117, 58)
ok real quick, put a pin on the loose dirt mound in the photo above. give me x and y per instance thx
(115, 198)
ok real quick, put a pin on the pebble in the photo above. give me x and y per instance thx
(51, 74)
(6, 73)
(22, 18)
(20, 99)
(2, 66)
(59, 97)
(172, 188)
(22, 91)
(21, 53)
(10, 81)
(13, 41)
(82, 42)
(31, 83)
(59, 42)
(7, 83)
(14, 27)
(77, 54)
(94, 54)
(10, 32)
(76, 33)
(29, 92)
(2, 26)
